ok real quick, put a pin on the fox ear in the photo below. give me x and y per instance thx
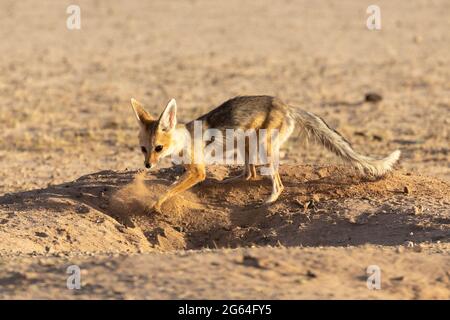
(139, 111)
(168, 119)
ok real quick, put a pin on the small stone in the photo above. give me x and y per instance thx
(81, 209)
(377, 137)
(120, 228)
(251, 261)
(308, 205)
(362, 219)
(41, 234)
(406, 190)
(359, 220)
(373, 97)
(179, 228)
(399, 278)
(311, 274)
(409, 244)
(417, 210)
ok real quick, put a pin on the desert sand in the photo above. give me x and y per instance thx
(72, 192)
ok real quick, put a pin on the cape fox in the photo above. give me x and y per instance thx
(163, 136)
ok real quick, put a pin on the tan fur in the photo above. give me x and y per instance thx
(248, 112)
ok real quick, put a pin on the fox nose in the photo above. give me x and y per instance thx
(148, 165)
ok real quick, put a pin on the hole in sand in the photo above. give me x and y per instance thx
(318, 207)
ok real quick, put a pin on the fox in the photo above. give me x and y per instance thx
(160, 137)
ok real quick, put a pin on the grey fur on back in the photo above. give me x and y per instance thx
(253, 112)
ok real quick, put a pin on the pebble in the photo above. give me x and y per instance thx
(120, 228)
(417, 210)
(311, 274)
(41, 234)
(82, 209)
(373, 97)
(100, 220)
(399, 278)
(409, 244)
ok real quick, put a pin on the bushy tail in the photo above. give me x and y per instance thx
(316, 128)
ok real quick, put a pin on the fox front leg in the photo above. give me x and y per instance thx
(158, 204)
(193, 175)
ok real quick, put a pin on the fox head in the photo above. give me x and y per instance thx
(156, 136)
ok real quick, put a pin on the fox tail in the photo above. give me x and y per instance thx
(316, 129)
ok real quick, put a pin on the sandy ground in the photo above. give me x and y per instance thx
(70, 193)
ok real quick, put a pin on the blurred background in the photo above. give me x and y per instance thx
(64, 94)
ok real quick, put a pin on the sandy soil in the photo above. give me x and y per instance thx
(99, 222)
(263, 273)
(70, 192)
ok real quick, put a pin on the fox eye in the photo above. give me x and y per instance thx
(158, 148)
(143, 150)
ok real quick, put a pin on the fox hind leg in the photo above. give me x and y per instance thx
(240, 176)
(249, 170)
(248, 173)
(272, 145)
(277, 187)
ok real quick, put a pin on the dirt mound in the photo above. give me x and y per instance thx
(321, 206)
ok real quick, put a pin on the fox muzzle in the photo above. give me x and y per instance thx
(148, 165)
